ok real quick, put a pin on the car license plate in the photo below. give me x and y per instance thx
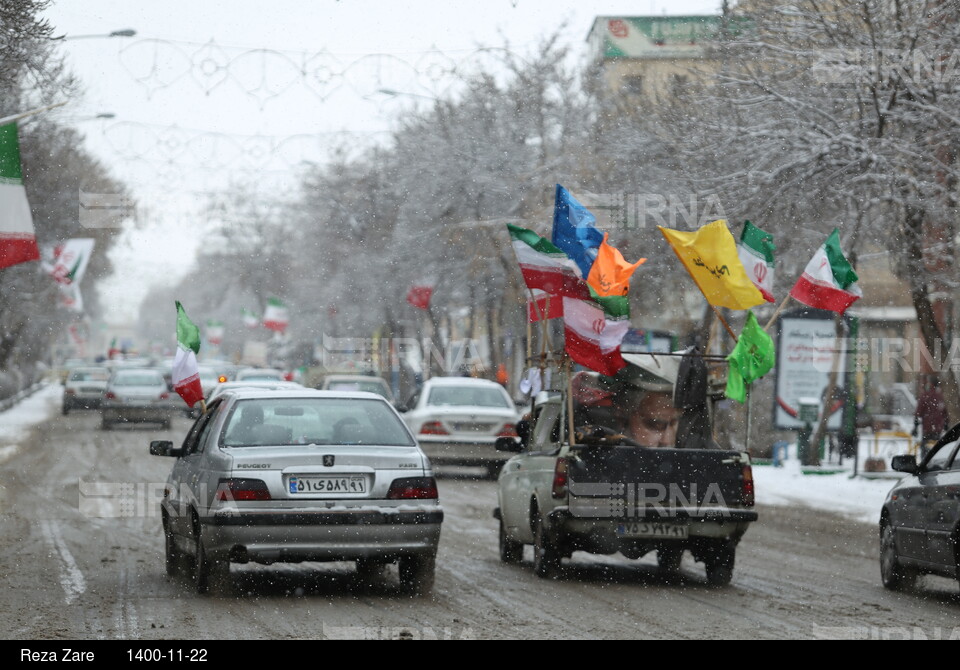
(350, 484)
(652, 529)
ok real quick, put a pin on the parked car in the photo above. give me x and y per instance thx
(136, 395)
(84, 387)
(458, 420)
(365, 383)
(920, 518)
(300, 475)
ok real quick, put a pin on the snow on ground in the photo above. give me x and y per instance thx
(857, 498)
(17, 422)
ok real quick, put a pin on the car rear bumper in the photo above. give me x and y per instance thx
(136, 414)
(463, 453)
(268, 536)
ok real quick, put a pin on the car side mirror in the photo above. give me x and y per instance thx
(402, 408)
(164, 448)
(508, 444)
(907, 463)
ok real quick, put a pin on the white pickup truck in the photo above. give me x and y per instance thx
(607, 495)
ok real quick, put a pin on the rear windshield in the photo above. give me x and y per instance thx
(139, 379)
(90, 376)
(285, 421)
(364, 386)
(468, 396)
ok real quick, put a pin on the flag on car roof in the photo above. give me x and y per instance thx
(591, 339)
(710, 256)
(574, 231)
(756, 253)
(275, 316)
(18, 241)
(186, 371)
(546, 267)
(829, 281)
(610, 273)
(751, 358)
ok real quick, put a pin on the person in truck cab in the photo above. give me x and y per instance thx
(652, 419)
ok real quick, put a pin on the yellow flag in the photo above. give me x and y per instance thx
(610, 273)
(710, 256)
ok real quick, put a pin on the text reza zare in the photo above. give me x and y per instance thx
(64, 655)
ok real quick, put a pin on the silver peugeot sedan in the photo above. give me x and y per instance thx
(300, 475)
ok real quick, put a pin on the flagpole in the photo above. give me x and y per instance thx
(724, 322)
(16, 117)
(203, 405)
(773, 318)
(573, 436)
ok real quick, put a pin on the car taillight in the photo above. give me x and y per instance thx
(71, 391)
(433, 428)
(110, 395)
(560, 479)
(413, 488)
(164, 395)
(509, 430)
(242, 489)
(746, 487)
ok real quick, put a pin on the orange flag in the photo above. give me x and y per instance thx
(610, 274)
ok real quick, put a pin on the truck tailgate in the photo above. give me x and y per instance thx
(637, 481)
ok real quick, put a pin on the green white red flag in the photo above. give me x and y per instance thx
(756, 253)
(544, 266)
(186, 371)
(250, 320)
(829, 281)
(18, 241)
(275, 316)
(591, 338)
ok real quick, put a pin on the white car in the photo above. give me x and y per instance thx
(457, 420)
(300, 475)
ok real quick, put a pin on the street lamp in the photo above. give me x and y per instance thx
(398, 94)
(123, 32)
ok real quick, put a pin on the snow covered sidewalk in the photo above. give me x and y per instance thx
(17, 422)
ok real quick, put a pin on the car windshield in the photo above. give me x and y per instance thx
(138, 379)
(467, 396)
(286, 421)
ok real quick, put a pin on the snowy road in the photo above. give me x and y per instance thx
(82, 559)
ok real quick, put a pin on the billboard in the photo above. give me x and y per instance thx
(806, 343)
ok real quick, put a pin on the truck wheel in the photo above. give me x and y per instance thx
(174, 557)
(894, 576)
(511, 551)
(417, 574)
(669, 559)
(546, 556)
(719, 565)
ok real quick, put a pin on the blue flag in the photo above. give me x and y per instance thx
(574, 232)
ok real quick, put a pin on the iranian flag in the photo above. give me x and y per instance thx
(275, 316)
(186, 371)
(829, 281)
(250, 320)
(544, 266)
(541, 306)
(18, 242)
(591, 339)
(756, 253)
(215, 331)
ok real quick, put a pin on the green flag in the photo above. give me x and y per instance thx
(752, 358)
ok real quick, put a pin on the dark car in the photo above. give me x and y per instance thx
(920, 520)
